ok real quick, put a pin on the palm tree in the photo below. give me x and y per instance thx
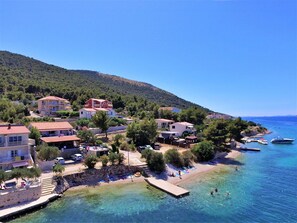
(101, 120)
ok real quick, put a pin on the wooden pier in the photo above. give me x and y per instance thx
(251, 149)
(167, 187)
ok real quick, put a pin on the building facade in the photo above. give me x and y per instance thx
(181, 127)
(48, 106)
(14, 147)
(93, 105)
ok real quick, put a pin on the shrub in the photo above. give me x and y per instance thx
(104, 160)
(156, 162)
(90, 161)
(204, 151)
(188, 157)
(146, 153)
(121, 158)
(173, 157)
(58, 169)
(48, 153)
(35, 134)
(112, 158)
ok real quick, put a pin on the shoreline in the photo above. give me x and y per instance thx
(224, 160)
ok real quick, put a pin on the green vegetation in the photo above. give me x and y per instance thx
(143, 132)
(47, 153)
(204, 151)
(173, 157)
(35, 134)
(104, 159)
(87, 137)
(67, 114)
(25, 79)
(156, 162)
(90, 161)
(101, 120)
(58, 169)
(12, 112)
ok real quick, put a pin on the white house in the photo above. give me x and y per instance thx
(164, 123)
(90, 112)
(14, 147)
(181, 127)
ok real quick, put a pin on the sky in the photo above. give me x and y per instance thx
(235, 57)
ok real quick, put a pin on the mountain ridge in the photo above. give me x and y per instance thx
(36, 78)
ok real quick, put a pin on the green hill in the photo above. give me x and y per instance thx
(24, 78)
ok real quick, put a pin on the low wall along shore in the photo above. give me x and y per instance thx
(20, 196)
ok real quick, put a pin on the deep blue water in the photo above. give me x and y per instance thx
(263, 190)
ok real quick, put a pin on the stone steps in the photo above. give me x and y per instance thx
(47, 187)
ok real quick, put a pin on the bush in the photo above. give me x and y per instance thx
(121, 158)
(104, 160)
(35, 134)
(58, 168)
(90, 161)
(146, 153)
(156, 162)
(48, 153)
(112, 158)
(204, 151)
(173, 157)
(188, 157)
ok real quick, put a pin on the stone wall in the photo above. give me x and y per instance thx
(19, 196)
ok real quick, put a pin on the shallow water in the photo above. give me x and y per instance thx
(263, 190)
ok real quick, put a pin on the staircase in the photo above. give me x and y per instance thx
(146, 170)
(46, 186)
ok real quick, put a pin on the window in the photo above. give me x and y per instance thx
(15, 138)
(14, 153)
(173, 127)
(81, 112)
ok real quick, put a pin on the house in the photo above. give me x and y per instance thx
(181, 127)
(14, 147)
(60, 134)
(48, 106)
(164, 123)
(93, 105)
(172, 109)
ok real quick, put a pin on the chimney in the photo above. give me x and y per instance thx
(9, 126)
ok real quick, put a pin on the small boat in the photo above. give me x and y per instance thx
(263, 141)
(280, 140)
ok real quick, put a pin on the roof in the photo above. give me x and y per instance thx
(164, 120)
(95, 109)
(14, 129)
(99, 100)
(52, 98)
(183, 123)
(60, 139)
(51, 126)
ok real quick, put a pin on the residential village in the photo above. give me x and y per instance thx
(34, 158)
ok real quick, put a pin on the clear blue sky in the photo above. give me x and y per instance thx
(235, 57)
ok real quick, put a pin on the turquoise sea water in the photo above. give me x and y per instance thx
(263, 190)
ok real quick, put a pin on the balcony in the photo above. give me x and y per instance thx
(6, 159)
(17, 143)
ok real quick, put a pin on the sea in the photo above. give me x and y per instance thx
(264, 189)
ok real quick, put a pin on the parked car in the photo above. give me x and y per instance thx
(60, 160)
(77, 157)
(141, 148)
(156, 146)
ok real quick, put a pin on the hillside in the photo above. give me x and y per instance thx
(25, 78)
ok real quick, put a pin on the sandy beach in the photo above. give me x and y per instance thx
(200, 169)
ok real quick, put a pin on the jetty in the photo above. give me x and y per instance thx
(167, 187)
(251, 149)
(20, 209)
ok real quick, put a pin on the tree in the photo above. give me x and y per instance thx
(17, 173)
(204, 151)
(188, 157)
(87, 136)
(173, 157)
(104, 160)
(90, 161)
(58, 169)
(3, 176)
(125, 146)
(118, 139)
(101, 121)
(112, 157)
(121, 158)
(48, 153)
(35, 134)
(156, 162)
(146, 153)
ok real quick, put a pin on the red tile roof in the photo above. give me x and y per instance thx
(51, 126)
(14, 129)
(59, 139)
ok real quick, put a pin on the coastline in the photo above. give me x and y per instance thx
(200, 169)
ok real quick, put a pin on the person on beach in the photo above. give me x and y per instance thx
(211, 193)
(179, 173)
(236, 168)
(216, 190)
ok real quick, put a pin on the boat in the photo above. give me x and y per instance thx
(280, 140)
(263, 141)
